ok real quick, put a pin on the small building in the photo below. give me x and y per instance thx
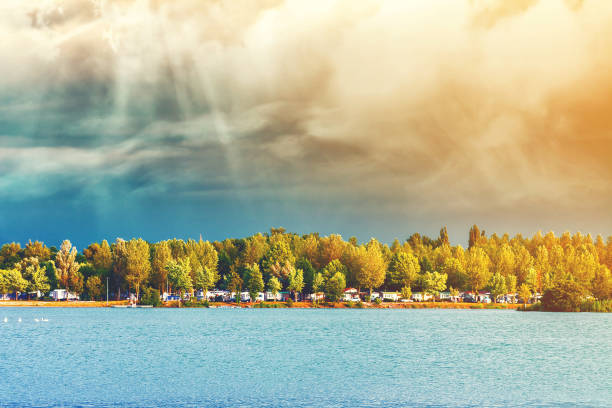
(271, 297)
(374, 296)
(390, 297)
(351, 295)
(245, 297)
(315, 296)
(421, 297)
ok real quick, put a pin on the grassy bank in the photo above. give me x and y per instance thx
(270, 305)
(46, 303)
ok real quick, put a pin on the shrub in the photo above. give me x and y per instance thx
(565, 296)
(289, 302)
(151, 297)
(378, 301)
(597, 306)
(360, 305)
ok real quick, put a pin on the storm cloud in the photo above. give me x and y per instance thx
(369, 118)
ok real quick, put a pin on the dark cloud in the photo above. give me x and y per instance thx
(312, 112)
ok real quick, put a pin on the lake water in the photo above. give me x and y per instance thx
(303, 358)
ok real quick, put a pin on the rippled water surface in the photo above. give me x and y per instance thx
(290, 357)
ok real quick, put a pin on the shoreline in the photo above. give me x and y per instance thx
(295, 305)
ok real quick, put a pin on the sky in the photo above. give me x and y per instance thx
(161, 119)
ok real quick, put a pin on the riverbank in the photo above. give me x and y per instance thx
(50, 303)
(302, 305)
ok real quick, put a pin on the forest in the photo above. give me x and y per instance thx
(279, 260)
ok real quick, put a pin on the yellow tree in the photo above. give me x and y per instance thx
(477, 270)
(67, 267)
(373, 267)
(138, 266)
(161, 257)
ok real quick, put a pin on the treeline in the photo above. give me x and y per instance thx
(310, 263)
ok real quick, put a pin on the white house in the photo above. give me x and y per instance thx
(421, 297)
(62, 294)
(270, 297)
(315, 296)
(374, 296)
(390, 296)
(245, 296)
(351, 295)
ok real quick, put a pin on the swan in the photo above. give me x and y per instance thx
(36, 320)
(19, 320)
(5, 320)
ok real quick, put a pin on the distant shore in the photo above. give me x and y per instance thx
(299, 305)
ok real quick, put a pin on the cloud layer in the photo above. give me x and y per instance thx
(311, 114)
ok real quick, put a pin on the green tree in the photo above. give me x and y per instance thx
(138, 266)
(274, 286)
(296, 282)
(94, 287)
(12, 281)
(68, 269)
(403, 269)
(497, 286)
(434, 283)
(318, 284)
(235, 284)
(334, 288)
(477, 270)
(179, 274)
(256, 283)
(279, 253)
(406, 292)
(373, 267)
(161, 257)
(332, 268)
(204, 279)
(37, 278)
(564, 296)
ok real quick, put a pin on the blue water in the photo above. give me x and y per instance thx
(303, 358)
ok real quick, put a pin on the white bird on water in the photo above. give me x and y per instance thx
(36, 320)
(6, 320)
(19, 320)
(44, 320)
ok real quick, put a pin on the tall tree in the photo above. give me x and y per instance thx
(256, 283)
(159, 273)
(334, 288)
(477, 270)
(68, 268)
(138, 266)
(274, 286)
(318, 284)
(434, 283)
(403, 269)
(94, 287)
(373, 269)
(296, 282)
(179, 273)
(497, 286)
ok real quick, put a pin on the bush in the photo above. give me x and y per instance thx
(596, 306)
(289, 302)
(565, 296)
(367, 298)
(150, 297)
(378, 301)
(190, 303)
(360, 305)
